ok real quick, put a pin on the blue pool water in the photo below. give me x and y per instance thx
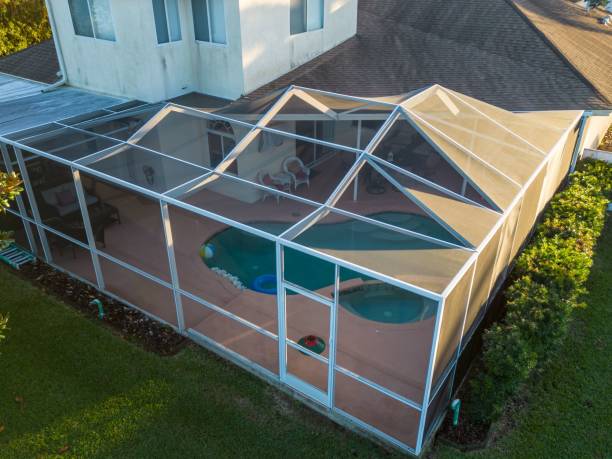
(248, 257)
(385, 303)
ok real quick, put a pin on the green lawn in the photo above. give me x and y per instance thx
(570, 414)
(85, 388)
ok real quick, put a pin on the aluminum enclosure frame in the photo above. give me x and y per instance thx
(171, 198)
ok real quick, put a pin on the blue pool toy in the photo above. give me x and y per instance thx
(266, 283)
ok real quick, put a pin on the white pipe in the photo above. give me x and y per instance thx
(58, 50)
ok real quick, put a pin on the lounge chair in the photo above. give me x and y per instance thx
(280, 182)
(295, 168)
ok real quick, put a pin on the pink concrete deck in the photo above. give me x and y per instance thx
(393, 356)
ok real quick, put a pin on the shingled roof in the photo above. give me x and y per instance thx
(579, 37)
(38, 63)
(482, 48)
(486, 49)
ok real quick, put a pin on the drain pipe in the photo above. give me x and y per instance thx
(583, 121)
(58, 50)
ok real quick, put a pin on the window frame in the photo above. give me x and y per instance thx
(305, 18)
(210, 42)
(91, 21)
(180, 23)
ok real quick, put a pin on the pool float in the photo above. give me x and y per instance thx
(260, 282)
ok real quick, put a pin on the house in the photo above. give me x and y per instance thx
(156, 50)
(509, 54)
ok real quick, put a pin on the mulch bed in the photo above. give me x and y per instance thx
(467, 435)
(606, 142)
(127, 322)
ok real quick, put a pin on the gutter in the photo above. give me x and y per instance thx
(58, 50)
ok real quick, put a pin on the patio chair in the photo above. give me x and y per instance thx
(295, 168)
(278, 182)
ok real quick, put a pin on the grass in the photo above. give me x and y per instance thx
(67, 382)
(570, 407)
(69, 385)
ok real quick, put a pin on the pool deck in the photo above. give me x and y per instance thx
(392, 355)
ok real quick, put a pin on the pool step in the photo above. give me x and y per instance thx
(16, 256)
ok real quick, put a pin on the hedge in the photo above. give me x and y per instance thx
(549, 277)
(22, 24)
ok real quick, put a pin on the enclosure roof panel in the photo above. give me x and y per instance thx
(402, 257)
(405, 186)
(540, 129)
(69, 143)
(244, 202)
(471, 220)
(147, 169)
(494, 144)
(495, 185)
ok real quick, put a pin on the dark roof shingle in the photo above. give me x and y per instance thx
(581, 39)
(38, 63)
(482, 48)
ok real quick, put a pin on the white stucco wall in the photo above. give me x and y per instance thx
(259, 49)
(218, 68)
(134, 65)
(269, 50)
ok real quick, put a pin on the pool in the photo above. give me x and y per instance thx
(251, 258)
(385, 303)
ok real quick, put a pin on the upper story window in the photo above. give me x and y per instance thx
(167, 20)
(305, 15)
(209, 20)
(92, 18)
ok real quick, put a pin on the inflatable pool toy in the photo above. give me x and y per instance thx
(266, 283)
(207, 251)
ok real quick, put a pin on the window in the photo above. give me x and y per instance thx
(305, 15)
(92, 18)
(209, 20)
(167, 20)
(220, 143)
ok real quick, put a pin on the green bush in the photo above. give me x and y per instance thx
(22, 24)
(550, 275)
(556, 263)
(514, 360)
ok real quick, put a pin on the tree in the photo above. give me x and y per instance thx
(22, 23)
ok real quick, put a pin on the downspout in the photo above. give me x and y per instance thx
(58, 50)
(583, 121)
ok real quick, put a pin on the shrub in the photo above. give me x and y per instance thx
(3, 326)
(551, 274)
(10, 187)
(540, 314)
(514, 360)
(556, 263)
